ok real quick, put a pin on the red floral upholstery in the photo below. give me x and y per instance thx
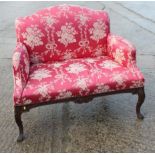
(67, 51)
(122, 51)
(63, 32)
(21, 66)
(78, 77)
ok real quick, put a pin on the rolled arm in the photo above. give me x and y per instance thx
(121, 50)
(21, 66)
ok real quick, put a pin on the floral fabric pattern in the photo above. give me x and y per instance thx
(61, 32)
(52, 85)
(67, 51)
(67, 34)
(121, 50)
(33, 36)
(98, 31)
(75, 68)
(21, 67)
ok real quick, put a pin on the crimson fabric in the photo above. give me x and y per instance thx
(121, 50)
(67, 51)
(21, 66)
(78, 77)
(63, 32)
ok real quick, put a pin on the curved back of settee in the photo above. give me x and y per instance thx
(63, 32)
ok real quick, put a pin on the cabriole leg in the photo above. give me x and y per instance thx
(141, 97)
(18, 113)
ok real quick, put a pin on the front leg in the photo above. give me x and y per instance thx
(141, 97)
(18, 113)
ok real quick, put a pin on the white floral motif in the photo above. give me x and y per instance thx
(136, 84)
(27, 101)
(113, 41)
(98, 30)
(75, 68)
(43, 90)
(63, 11)
(57, 64)
(82, 83)
(62, 78)
(89, 60)
(49, 20)
(33, 36)
(109, 64)
(97, 72)
(67, 34)
(117, 77)
(26, 65)
(16, 59)
(64, 94)
(102, 89)
(18, 81)
(82, 18)
(99, 51)
(68, 55)
(119, 56)
(40, 74)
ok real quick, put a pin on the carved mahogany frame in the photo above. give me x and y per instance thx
(18, 110)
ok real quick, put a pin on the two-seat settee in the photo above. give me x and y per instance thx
(67, 53)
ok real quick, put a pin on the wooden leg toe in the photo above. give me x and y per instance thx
(21, 137)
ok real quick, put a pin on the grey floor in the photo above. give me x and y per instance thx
(107, 124)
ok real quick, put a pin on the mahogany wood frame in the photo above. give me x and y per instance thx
(18, 110)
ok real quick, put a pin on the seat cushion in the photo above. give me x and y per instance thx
(78, 77)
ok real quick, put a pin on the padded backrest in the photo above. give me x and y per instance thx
(63, 32)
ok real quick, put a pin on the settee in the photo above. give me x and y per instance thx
(67, 53)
